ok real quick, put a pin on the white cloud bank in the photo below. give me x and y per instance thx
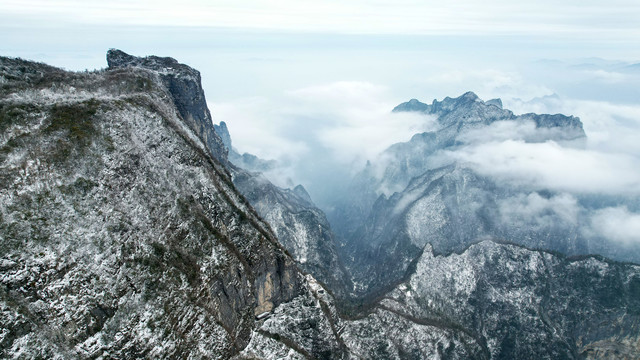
(551, 166)
(534, 211)
(348, 120)
(618, 224)
(610, 127)
(341, 125)
(353, 119)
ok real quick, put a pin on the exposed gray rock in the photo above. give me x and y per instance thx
(222, 131)
(121, 235)
(408, 198)
(460, 120)
(299, 225)
(495, 102)
(185, 88)
(412, 105)
(245, 161)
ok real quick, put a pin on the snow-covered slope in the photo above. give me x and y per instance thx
(298, 224)
(121, 235)
(503, 301)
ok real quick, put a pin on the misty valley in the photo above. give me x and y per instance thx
(132, 227)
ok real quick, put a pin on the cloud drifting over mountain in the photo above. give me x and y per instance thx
(618, 224)
(551, 166)
(351, 120)
(323, 133)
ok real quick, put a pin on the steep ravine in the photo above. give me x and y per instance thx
(300, 226)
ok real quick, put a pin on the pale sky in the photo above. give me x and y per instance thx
(617, 20)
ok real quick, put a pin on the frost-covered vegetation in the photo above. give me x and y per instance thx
(121, 237)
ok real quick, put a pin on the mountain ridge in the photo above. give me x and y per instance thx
(414, 195)
(95, 204)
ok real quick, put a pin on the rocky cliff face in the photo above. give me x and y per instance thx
(299, 225)
(122, 236)
(184, 88)
(244, 161)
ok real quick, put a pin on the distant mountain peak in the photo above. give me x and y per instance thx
(223, 131)
(412, 105)
(447, 102)
(468, 108)
(302, 192)
(496, 102)
(469, 95)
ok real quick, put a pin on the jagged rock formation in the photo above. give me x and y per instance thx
(299, 225)
(409, 198)
(245, 161)
(185, 89)
(222, 131)
(494, 102)
(459, 119)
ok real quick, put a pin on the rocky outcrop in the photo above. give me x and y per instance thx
(185, 89)
(469, 109)
(494, 102)
(459, 119)
(222, 131)
(121, 235)
(300, 226)
(245, 161)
